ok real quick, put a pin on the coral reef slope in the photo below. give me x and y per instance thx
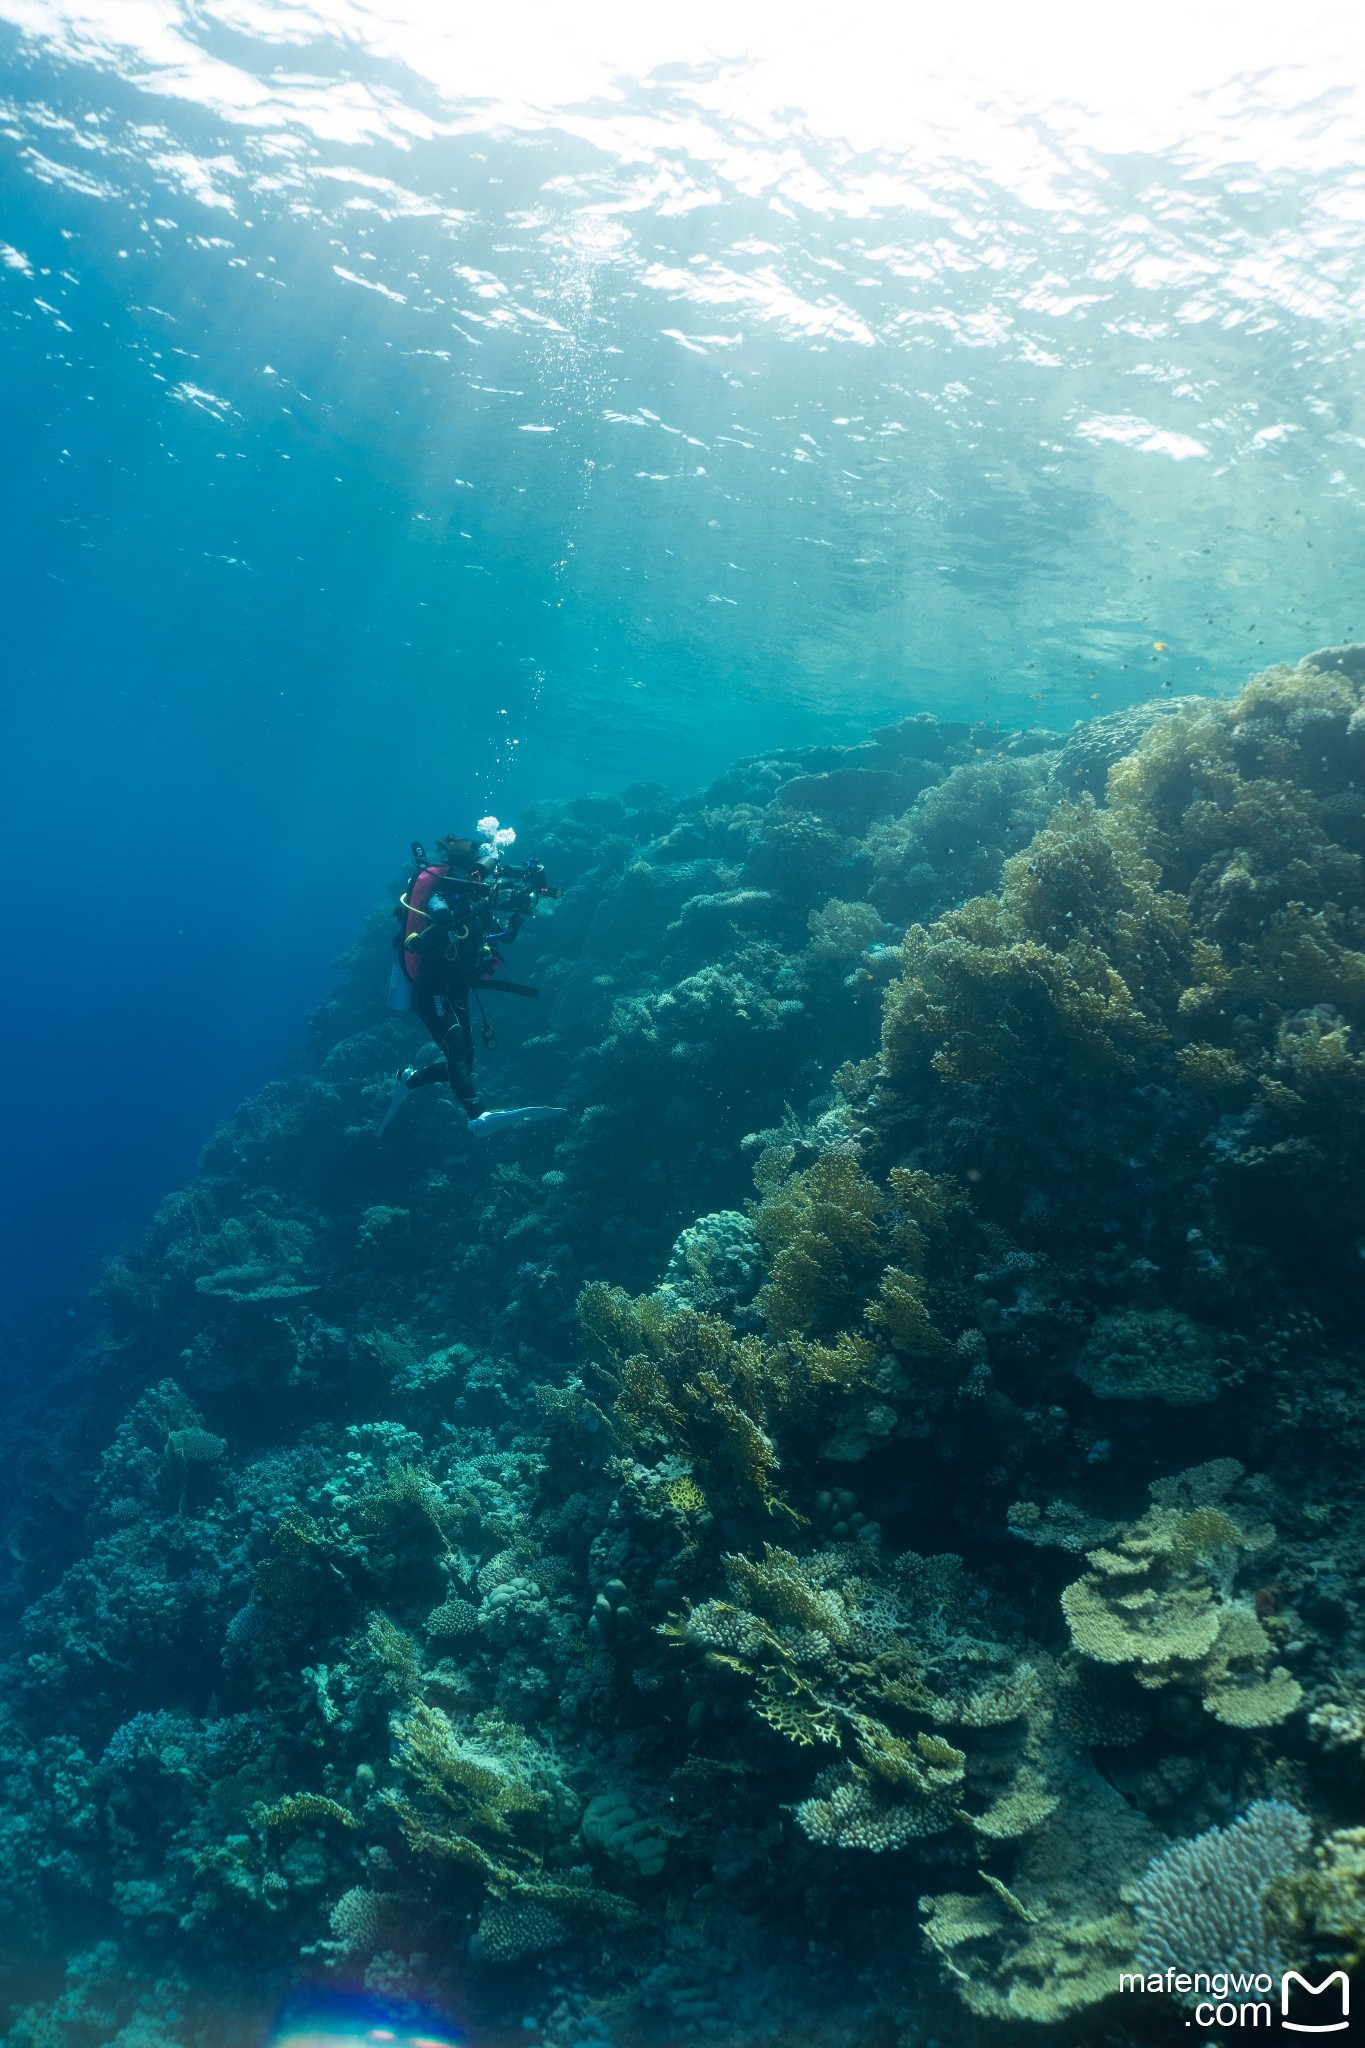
(855, 1528)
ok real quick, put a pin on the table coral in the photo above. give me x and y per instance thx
(1159, 1602)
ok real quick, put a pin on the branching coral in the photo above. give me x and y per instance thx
(684, 1383)
(300, 1812)
(471, 1786)
(1115, 1119)
(1201, 1905)
(820, 1229)
(836, 1659)
(1195, 949)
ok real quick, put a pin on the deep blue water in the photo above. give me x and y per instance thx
(381, 448)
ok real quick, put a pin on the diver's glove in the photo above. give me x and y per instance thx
(532, 1113)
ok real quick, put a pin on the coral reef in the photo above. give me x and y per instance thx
(1056, 1938)
(1200, 1906)
(1159, 1602)
(896, 1440)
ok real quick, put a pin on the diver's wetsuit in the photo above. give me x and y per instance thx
(447, 951)
(451, 926)
(445, 1012)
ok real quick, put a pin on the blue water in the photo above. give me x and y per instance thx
(395, 430)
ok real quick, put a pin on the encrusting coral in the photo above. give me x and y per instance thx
(610, 1583)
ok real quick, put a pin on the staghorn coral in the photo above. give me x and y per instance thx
(1200, 1906)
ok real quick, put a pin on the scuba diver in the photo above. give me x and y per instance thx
(453, 915)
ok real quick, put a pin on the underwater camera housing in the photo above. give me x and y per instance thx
(519, 889)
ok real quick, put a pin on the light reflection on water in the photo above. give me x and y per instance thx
(839, 377)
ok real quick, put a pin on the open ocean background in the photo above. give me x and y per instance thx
(402, 420)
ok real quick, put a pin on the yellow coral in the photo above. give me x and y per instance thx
(1157, 1602)
(1259, 1704)
(685, 1495)
(1141, 1628)
(900, 1312)
(1210, 1069)
(820, 1228)
(468, 1775)
(1025, 1806)
(300, 1810)
(1319, 1914)
(1202, 936)
(779, 1588)
(1007, 1965)
(395, 1650)
(926, 1203)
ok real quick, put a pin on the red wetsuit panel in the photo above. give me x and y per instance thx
(418, 897)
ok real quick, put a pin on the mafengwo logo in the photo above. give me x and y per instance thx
(1316, 2010)
(1226, 2004)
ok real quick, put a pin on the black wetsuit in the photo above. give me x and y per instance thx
(454, 953)
(445, 1012)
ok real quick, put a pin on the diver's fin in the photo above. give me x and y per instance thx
(532, 1113)
(400, 1089)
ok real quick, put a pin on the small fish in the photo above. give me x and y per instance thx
(1161, 647)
